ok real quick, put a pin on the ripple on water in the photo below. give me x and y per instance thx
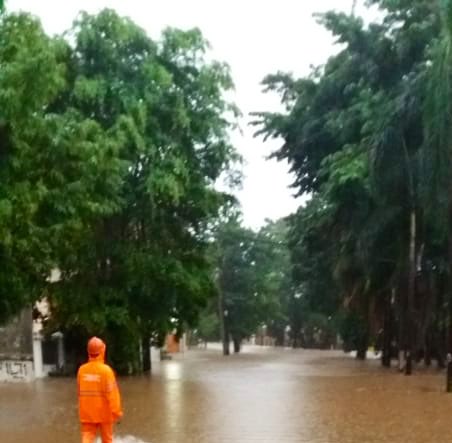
(126, 439)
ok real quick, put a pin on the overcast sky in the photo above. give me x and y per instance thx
(255, 37)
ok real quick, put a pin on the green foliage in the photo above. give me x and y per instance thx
(162, 103)
(367, 136)
(209, 326)
(253, 277)
(236, 278)
(110, 148)
(437, 116)
(352, 330)
(50, 188)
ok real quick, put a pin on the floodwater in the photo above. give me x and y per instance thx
(261, 396)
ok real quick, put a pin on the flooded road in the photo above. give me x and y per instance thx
(262, 396)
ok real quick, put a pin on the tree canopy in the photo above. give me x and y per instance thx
(111, 145)
(366, 136)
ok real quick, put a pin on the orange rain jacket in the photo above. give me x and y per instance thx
(98, 393)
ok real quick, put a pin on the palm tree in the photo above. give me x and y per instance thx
(438, 142)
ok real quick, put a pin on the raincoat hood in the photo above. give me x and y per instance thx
(96, 349)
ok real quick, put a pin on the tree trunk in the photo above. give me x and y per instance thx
(297, 340)
(440, 343)
(440, 357)
(365, 328)
(401, 320)
(438, 333)
(430, 320)
(146, 346)
(362, 353)
(223, 322)
(410, 295)
(401, 345)
(387, 333)
(449, 301)
(428, 348)
(227, 336)
(363, 345)
(237, 344)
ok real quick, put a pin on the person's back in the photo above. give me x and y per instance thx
(99, 399)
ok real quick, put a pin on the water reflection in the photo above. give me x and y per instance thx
(173, 399)
(173, 370)
(127, 439)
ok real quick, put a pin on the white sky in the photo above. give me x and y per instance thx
(256, 38)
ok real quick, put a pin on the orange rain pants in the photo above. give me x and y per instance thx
(90, 430)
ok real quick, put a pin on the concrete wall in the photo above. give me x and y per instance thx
(16, 338)
(16, 349)
(16, 370)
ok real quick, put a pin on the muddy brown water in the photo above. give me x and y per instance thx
(261, 396)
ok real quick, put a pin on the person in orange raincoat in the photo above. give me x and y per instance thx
(98, 395)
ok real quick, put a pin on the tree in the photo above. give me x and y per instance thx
(353, 134)
(49, 190)
(254, 280)
(110, 147)
(143, 269)
(438, 152)
(273, 272)
(236, 282)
